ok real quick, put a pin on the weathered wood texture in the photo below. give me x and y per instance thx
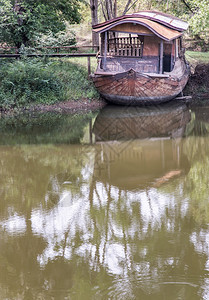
(159, 17)
(50, 55)
(131, 28)
(117, 64)
(151, 46)
(125, 46)
(132, 87)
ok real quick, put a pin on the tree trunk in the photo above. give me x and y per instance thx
(94, 21)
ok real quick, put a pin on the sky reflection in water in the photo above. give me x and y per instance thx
(105, 205)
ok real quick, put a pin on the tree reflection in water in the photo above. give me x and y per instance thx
(108, 220)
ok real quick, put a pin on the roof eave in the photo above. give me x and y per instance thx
(107, 28)
(142, 14)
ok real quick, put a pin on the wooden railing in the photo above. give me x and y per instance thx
(11, 52)
(4, 49)
(125, 46)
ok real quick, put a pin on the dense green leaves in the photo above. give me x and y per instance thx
(22, 20)
(31, 81)
(24, 82)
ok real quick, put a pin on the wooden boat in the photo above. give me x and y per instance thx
(141, 58)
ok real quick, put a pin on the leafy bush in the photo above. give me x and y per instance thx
(62, 38)
(46, 81)
(76, 80)
(26, 81)
(44, 42)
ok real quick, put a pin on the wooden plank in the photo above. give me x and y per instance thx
(102, 44)
(50, 55)
(184, 98)
(176, 49)
(105, 51)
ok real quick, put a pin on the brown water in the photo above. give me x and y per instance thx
(110, 205)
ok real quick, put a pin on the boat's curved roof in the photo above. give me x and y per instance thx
(163, 25)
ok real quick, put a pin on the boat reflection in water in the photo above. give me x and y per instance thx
(139, 147)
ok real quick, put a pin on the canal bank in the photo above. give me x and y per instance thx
(63, 85)
(198, 84)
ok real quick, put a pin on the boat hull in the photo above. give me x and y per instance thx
(134, 88)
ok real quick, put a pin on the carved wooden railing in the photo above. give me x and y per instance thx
(125, 46)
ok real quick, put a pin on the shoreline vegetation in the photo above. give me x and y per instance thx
(50, 84)
(45, 84)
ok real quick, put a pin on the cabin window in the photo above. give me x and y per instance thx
(125, 46)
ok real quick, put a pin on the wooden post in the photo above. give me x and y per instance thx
(177, 49)
(105, 51)
(102, 45)
(161, 57)
(172, 55)
(89, 65)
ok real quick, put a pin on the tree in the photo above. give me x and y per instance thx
(94, 21)
(22, 20)
(109, 11)
(198, 19)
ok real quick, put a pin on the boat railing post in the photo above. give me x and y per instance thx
(105, 52)
(177, 49)
(161, 57)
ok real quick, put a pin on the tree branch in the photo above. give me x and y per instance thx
(111, 7)
(187, 5)
(128, 8)
(115, 8)
(103, 11)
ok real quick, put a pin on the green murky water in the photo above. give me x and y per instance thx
(108, 205)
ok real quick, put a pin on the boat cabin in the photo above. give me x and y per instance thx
(147, 42)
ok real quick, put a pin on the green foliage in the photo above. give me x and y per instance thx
(32, 81)
(199, 18)
(28, 81)
(61, 38)
(76, 79)
(21, 21)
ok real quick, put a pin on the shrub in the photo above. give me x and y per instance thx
(23, 82)
(33, 81)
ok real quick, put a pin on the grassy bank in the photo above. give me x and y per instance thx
(27, 82)
(195, 58)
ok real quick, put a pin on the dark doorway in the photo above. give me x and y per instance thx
(167, 58)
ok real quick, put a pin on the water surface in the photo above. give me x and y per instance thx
(106, 205)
